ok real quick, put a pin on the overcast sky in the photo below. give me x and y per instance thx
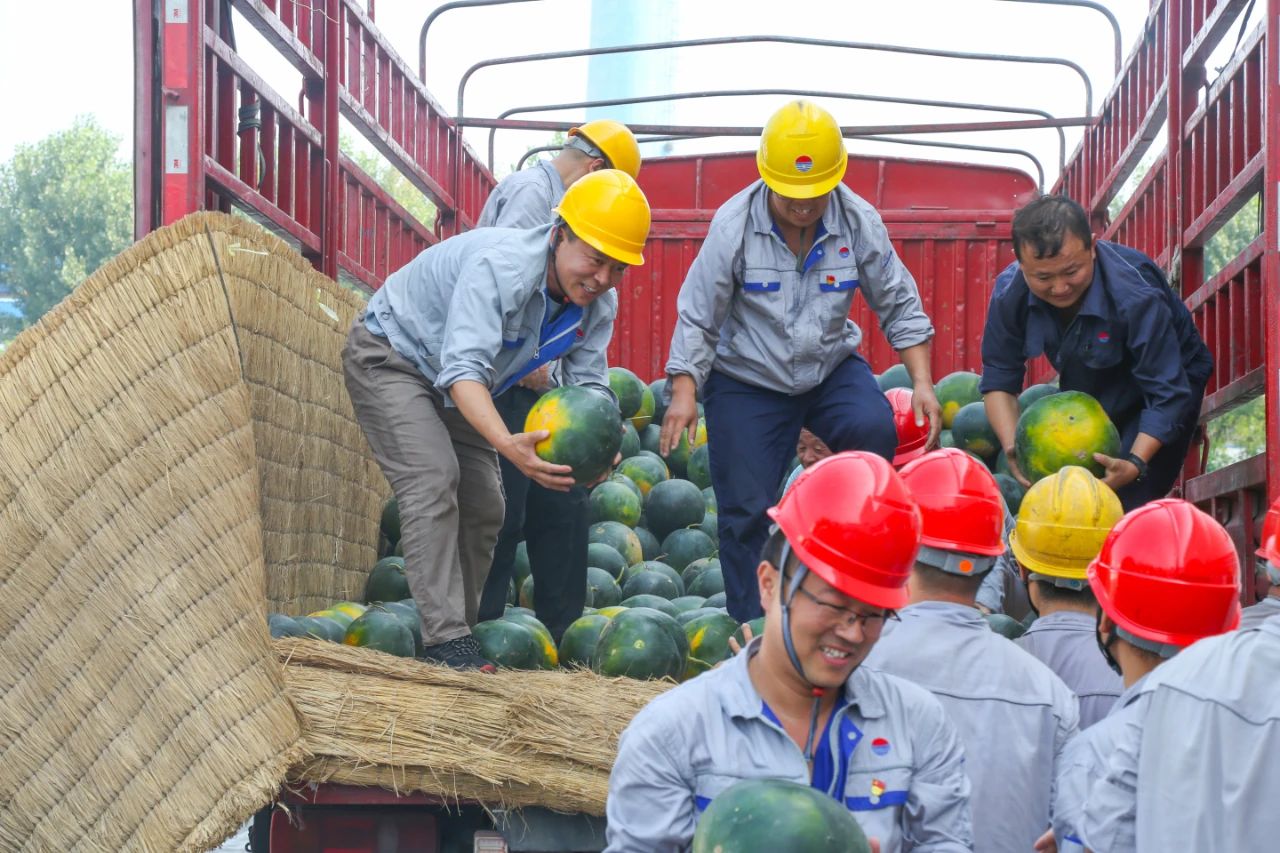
(83, 63)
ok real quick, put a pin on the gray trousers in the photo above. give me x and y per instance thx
(445, 477)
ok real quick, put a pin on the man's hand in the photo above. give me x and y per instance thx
(1011, 459)
(1046, 843)
(519, 449)
(1120, 472)
(924, 402)
(539, 380)
(682, 414)
(747, 635)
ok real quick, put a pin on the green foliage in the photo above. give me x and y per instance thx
(1237, 435)
(66, 205)
(1234, 237)
(390, 179)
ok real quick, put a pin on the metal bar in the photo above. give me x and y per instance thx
(440, 10)
(1271, 259)
(966, 147)
(331, 222)
(852, 96)
(773, 39)
(148, 117)
(1097, 7)
(847, 130)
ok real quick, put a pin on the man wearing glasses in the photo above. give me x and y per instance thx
(1013, 713)
(795, 704)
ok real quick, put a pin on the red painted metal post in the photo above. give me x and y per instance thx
(329, 229)
(1271, 234)
(182, 78)
(146, 125)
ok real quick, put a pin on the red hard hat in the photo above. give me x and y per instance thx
(911, 438)
(959, 502)
(852, 522)
(1168, 572)
(1270, 550)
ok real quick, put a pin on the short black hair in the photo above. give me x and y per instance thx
(1054, 594)
(934, 580)
(1043, 224)
(772, 552)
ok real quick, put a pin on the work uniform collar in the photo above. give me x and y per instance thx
(961, 615)
(761, 218)
(1130, 694)
(741, 700)
(1063, 620)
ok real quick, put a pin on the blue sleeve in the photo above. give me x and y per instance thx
(1004, 367)
(1157, 368)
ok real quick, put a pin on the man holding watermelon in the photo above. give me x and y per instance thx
(552, 523)
(1108, 321)
(463, 322)
(796, 703)
(763, 329)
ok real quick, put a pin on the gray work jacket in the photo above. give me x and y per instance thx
(1014, 715)
(1195, 766)
(750, 309)
(474, 307)
(524, 199)
(1255, 614)
(1067, 643)
(905, 778)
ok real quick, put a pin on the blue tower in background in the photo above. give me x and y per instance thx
(615, 22)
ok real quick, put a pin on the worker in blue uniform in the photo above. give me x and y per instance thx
(1108, 321)
(763, 329)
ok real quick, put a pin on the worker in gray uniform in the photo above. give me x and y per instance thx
(796, 704)
(1269, 560)
(1061, 526)
(1165, 578)
(1014, 715)
(552, 523)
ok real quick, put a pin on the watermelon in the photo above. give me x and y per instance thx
(354, 609)
(973, 432)
(332, 615)
(684, 617)
(708, 641)
(513, 595)
(398, 551)
(636, 645)
(652, 583)
(1001, 465)
(709, 498)
(610, 612)
(509, 644)
(768, 815)
(644, 415)
(653, 566)
(650, 547)
(619, 537)
(520, 563)
(380, 630)
(658, 388)
(1005, 626)
(697, 567)
(606, 557)
(718, 600)
(579, 640)
(678, 459)
(652, 602)
(673, 504)
(1035, 392)
(687, 602)
(281, 625)
(684, 546)
(548, 657)
(628, 388)
(518, 609)
(651, 440)
(894, 377)
(526, 593)
(407, 612)
(390, 524)
(386, 581)
(614, 502)
(585, 430)
(699, 468)
(630, 441)
(645, 470)
(671, 626)
(323, 628)
(956, 390)
(630, 484)
(946, 439)
(602, 589)
(708, 583)
(1063, 429)
(711, 527)
(757, 628)
(1012, 491)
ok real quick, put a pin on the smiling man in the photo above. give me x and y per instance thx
(463, 322)
(1108, 321)
(763, 330)
(796, 704)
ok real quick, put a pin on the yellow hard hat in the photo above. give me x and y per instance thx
(615, 141)
(802, 152)
(607, 210)
(1063, 522)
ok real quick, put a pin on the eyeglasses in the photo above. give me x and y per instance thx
(870, 622)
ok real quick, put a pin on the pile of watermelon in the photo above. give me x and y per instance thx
(1055, 428)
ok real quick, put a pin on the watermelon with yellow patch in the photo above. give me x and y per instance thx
(548, 656)
(644, 469)
(580, 639)
(955, 391)
(974, 433)
(708, 641)
(771, 815)
(644, 415)
(678, 459)
(618, 536)
(1063, 429)
(585, 430)
(509, 644)
(380, 630)
(635, 644)
(629, 390)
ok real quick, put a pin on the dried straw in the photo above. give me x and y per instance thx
(510, 739)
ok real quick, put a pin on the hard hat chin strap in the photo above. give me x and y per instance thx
(1105, 646)
(785, 597)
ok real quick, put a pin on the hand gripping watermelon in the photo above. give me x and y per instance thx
(1064, 429)
(586, 430)
(768, 815)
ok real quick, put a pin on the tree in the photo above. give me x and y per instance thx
(66, 205)
(390, 179)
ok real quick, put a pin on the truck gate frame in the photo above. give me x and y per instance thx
(210, 134)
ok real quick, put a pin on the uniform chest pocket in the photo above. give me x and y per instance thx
(762, 297)
(1100, 349)
(514, 335)
(708, 786)
(841, 279)
(872, 790)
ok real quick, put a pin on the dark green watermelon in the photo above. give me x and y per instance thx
(711, 526)
(579, 640)
(771, 815)
(658, 387)
(585, 430)
(630, 441)
(699, 468)
(709, 498)
(650, 547)
(380, 630)
(1005, 626)
(684, 617)
(509, 644)
(602, 589)
(718, 600)
(652, 583)
(973, 432)
(708, 583)
(281, 625)
(386, 581)
(611, 501)
(606, 557)
(1035, 392)
(684, 546)
(644, 469)
(653, 602)
(1012, 491)
(697, 567)
(636, 645)
(708, 641)
(526, 593)
(407, 612)
(548, 657)
(651, 439)
(894, 377)
(390, 524)
(671, 626)
(629, 483)
(618, 536)
(687, 602)
(322, 628)
(757, 629)
(628, 388)
(673, 504)
(520, 564)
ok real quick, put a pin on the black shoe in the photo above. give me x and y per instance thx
(459, 653)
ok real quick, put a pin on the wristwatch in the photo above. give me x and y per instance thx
(1140, 464)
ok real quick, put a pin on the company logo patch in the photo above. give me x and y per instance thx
(844, 251)
(804, 163)
(831, 279)
(1104, 337)
(880, 746)
(877, 788)
(580, 333)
